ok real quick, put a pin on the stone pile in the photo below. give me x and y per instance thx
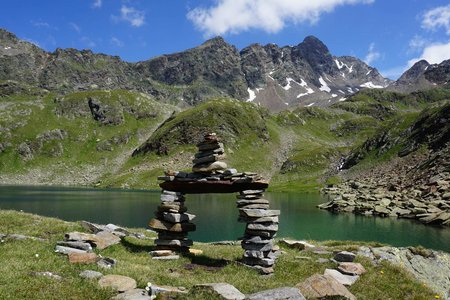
(172, 223)
(209, 155)
(261, 228)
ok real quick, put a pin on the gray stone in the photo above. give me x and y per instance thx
(223, 290)
(134, 294)
(178, 243)
(89, 274)
(251, 192)
(92, 227)
(324, 287)
(76, 245)
(341, 278)
(207, 168)
(257, 246)
(259, 220)
(67, 250)
(256, 240)
(345, 256)
(105, 239)
(177, 218)
(106, 262)
(262, 226)
(264, 262)
(300, 245)
(284, 293)
(117, 282)
(168, 257)
(258, 213)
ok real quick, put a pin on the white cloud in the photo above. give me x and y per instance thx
(135, 17)
(434, 54)
(372, 55)
(437, 17)
(116, 42)
(231, 16)
(75, 27)
(97, 4)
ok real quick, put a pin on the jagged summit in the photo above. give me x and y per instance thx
(272, 76)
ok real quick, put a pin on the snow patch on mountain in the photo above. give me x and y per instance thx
(339, 64)
(252, 95)
(371, 85)
(324, 87)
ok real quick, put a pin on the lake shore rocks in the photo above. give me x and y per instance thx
(428, 203)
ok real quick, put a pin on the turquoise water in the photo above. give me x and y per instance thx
(217, 215)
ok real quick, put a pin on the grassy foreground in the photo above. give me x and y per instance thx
(20, 259)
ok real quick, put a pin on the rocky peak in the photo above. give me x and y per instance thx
(316, 54)
(414, 72)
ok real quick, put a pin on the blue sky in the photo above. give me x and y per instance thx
(388, 34)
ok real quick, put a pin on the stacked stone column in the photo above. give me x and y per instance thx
(208, 158)
(261, 228)
(172, 222)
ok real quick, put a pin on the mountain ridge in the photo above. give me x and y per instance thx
(213, 69)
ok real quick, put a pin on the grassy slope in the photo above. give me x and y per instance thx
(19, 260)
(297, 150)
(37, 115)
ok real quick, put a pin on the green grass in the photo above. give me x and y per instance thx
(216, 264)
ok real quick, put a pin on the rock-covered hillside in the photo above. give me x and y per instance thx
(276, 77)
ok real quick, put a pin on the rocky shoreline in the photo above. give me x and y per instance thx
(429, 203)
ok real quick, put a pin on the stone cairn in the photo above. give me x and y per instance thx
(261, 228)
(173, 223)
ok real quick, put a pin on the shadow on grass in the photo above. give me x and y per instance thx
(132, 246)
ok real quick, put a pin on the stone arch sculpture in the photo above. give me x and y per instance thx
(211, 175)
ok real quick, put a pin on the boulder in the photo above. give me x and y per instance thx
(350, 268)
(117, 282)
(222, 290)
(344, 256)
(284, 293)
(105, 239)
(324, 287)
(341, 278)
(89, 274)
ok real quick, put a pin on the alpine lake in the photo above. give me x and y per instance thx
(216, 215)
